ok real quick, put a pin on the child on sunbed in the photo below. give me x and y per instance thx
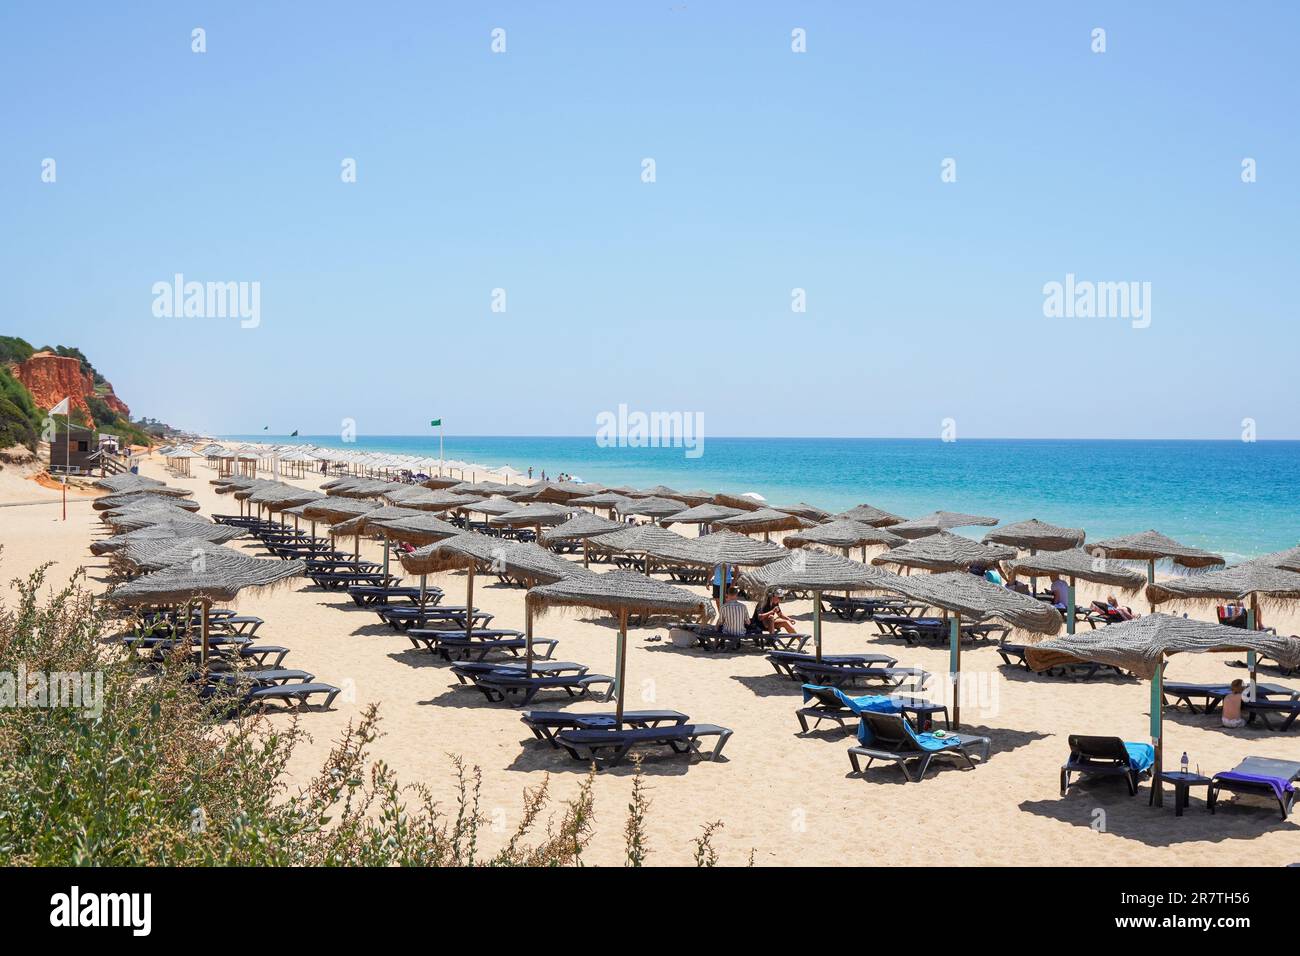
(1232, 705)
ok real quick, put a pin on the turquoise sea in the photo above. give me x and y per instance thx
(1233, 497)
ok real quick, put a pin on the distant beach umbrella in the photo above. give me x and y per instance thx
(123, 499)
(937, 521)
(128, 482)
(637, 541)
(550, 491)
(1141, 647)
(944, 552)
(702, 515)
(438, 501)
(763, 521)
(869, 514)
(439, 482)
(582, 527)
(1035, 535)
(650, 507)
(620, 593)
(818, 571)
(420, 528)
(744, 502)
(845, 534)
(1288, 560)
(1152, 546)
(721, 551)
(804, 510)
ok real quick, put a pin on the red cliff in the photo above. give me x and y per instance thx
(51, 378)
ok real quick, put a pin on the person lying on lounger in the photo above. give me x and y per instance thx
(1232, 705)
(769, 616)
(1115, 608)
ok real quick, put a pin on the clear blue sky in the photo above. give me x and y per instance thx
(775, 170)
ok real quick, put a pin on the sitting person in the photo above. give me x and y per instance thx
(768, 616)
(1013, 584)
(1232, 705)
(1060, 593)
(735, 616)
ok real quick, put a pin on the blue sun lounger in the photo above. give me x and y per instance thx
(1262, 776)
(891, 737)
(783, 662)
(1108, 756)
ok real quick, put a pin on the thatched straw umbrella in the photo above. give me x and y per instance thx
(582, 527)
(610, 501)
(818, 571)
(334, 509)
(439, 482)
(217, 577)
(805, 510)
(702, 515)
(420, 528)
(158, 553)
(1074, 564)
(944, 552)
(468, 550)
(554, 492)
(621, 593)
(845, 534)
(650, 507)
(937, 521)
(745, 502)
(1242, 582)
(1141, 646)
(536, 516)
(721, 550)
(142, 515)
(869, 514)
(637, 540)
(960, 595)
(128, 482)
(1288, 560)
(763, 521)
(1034, 536)
(168, 531)
(364, 489)
(124, 499)
(1151, 546)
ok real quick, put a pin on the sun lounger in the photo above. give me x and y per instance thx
(890, 737)
(913, 630)
(611, 745)
(1108, 756)
(712, 639)
(452, 615)
(478, 645)
(546, 723)
(1261, 776)
(469, 672)
(263, 655)
(862, 609)
(515, 687)
(1287, 710)
(831, 703)
(370, 595)
(783, 662)
(259, 677)
(847, 675)
(1212, 695)
(277, 693)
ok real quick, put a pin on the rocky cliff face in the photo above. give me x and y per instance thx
(51, 378)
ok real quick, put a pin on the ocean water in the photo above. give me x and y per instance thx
(1236, 498)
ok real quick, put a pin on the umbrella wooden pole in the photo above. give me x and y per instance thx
(1151, 579)
(586, 552)
(1069, 609)
(356, 546)
(620, 667)
(1252, 619)
(1157, 730)
(469, 602)
(817, 623)
(204, 605)
(387, 548)
(954, 668)
(1033, 580)
(528, 639)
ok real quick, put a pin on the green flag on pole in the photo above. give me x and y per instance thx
(435, 423)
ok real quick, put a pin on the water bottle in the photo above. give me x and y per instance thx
(1183, 763)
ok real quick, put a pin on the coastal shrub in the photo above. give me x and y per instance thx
(148, 776)
(14, 350)
(20, 421)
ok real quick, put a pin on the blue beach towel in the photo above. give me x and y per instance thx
(874, 703)
(1279, 786)
(925, 741)
(1140, 756)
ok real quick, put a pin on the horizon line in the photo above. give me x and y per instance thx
(432, 435)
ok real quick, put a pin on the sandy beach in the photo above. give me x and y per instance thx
(787, 799)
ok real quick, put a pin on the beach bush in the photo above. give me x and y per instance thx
(151, 777)
(20, 421)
